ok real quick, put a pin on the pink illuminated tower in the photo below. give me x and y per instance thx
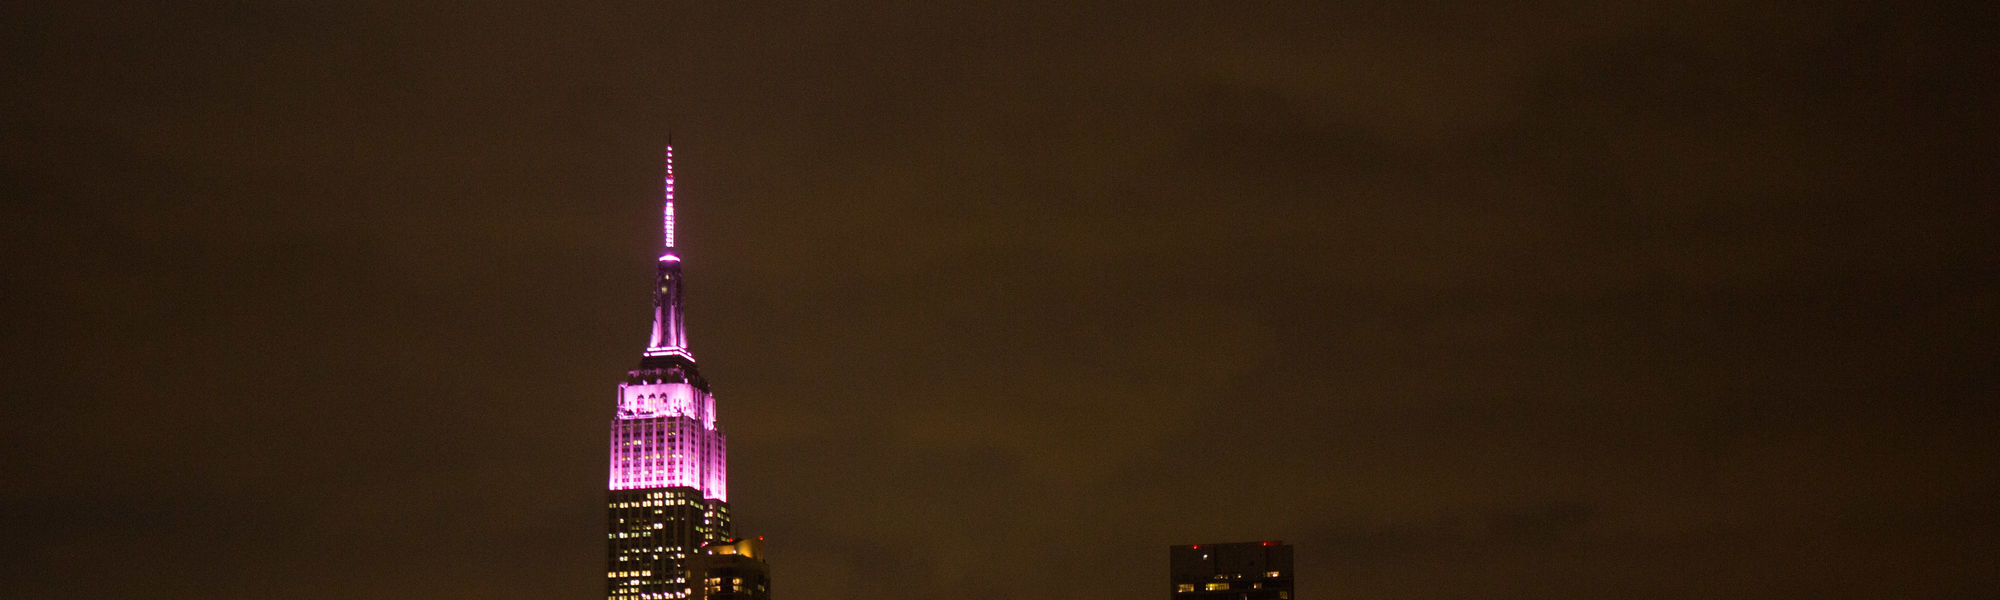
(669, 490)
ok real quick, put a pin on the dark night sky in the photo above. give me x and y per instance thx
(1494, 300)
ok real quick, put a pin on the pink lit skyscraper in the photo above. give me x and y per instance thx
(668, 477)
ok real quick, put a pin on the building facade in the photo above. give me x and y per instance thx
(731, 571)
(669, 491)
(1234, 571)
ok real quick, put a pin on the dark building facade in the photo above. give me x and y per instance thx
(1234, 571)
(669, 491)
(731, 571)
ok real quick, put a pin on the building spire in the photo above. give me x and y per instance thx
(669, 222)
(669, 324)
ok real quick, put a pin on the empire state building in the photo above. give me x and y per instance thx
(669, 493)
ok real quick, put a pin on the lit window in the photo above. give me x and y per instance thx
(1185, 587)
(1270, 573)
(1218, 586)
